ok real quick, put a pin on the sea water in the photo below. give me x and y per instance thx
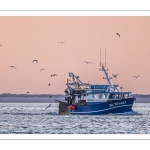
(34, 118)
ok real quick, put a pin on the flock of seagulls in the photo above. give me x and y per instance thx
(115, 76)
(40, 70)
(36, 61)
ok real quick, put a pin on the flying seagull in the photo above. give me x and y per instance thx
(48, 106)
(136, 76)
(12, 67)
(41, 69)
(1, 45)
(118, 34)
(115, 75)
(61, 42)
(35, 61)
(53, 75)
(87, 62)
(27, 92)
(49, 84)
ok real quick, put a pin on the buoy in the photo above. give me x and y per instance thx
(72, 107)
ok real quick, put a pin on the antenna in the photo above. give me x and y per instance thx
(100, 56)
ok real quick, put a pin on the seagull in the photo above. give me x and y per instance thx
(118, 34)
(12, 67)
(35, 61)
(27, 92)
(61, 42)
(41, 69)
(53, 75)
(115, 75)
(48, 106)
(1, 45)
(49, 84)
(121, 88)
(50, 96)
(136, 76)
(87, 62)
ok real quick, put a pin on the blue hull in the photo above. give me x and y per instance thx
(98, 108)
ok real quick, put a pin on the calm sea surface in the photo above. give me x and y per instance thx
(32, 118)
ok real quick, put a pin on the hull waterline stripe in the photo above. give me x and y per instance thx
(100, 110)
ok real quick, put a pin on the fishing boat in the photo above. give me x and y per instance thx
(94, 99)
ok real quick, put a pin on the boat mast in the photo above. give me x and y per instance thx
(103, 68)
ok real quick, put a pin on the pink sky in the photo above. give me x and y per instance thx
(24, 39)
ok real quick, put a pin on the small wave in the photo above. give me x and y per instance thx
(126, 113)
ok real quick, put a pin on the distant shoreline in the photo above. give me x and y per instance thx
(49, 100)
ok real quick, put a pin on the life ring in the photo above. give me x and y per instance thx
(72, 107)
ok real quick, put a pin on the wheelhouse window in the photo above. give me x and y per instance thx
(111, 96)
(118, 96)
(100, 96)
(97, 96)
(125, 95)
(105, 96)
